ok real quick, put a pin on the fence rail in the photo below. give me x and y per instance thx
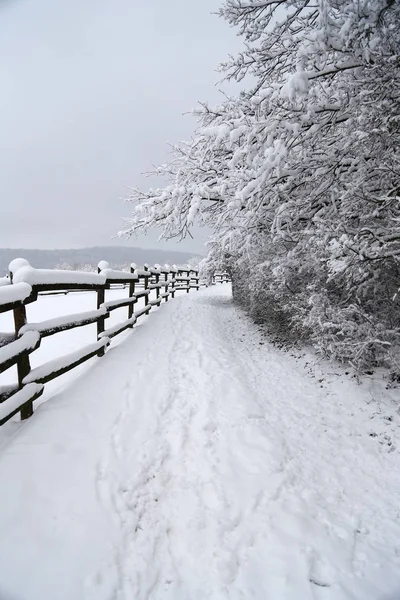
(26, 283)
(221, 278)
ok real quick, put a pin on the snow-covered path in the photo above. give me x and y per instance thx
(194, 462)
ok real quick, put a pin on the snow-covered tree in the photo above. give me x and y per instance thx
(86, 267)
(299, 174)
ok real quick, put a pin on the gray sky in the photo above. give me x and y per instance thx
(90, 92)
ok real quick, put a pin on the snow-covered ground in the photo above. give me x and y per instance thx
(52, 306)
(196, 461)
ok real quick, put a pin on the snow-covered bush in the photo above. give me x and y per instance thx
(299, 175)
(217, 260)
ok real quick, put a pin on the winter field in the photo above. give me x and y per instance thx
(195, 460)
(50, 306)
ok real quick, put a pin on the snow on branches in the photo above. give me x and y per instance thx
(299, 175)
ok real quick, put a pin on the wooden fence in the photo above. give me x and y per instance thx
(221, 278)
(26, 283)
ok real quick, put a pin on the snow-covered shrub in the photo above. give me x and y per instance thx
(299, 175)
(349, 334)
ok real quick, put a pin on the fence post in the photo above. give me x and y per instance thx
(131, 292)
(166, 281)
(188, 282)
(100, 321)
(23, 364)
(157, 288)
(146, 285)
(174, 275)
(197, 280)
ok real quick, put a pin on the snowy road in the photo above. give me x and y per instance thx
(195, 462)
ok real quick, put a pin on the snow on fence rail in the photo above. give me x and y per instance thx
(26, 283)
(221, 278)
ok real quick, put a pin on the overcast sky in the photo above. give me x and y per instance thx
(90, 92)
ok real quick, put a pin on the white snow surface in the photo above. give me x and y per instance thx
(196, 461)
(63, 361)
(65, 320)
(18, 346)
(18, 263)
(140, 272)
(18, 399)
(111, 274)
(56, 276)
(103, 264)
(155, 301)
(14, 293)
(118, 327)
(154, 286)
(4, 281)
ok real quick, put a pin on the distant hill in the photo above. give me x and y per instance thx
(117, 256)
